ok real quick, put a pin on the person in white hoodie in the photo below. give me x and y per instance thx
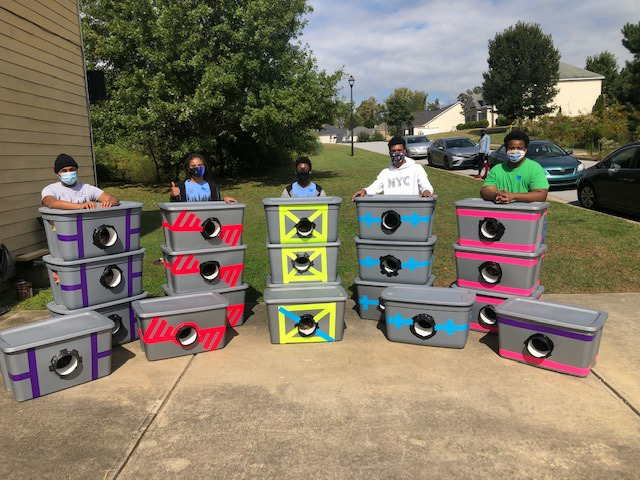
(403, 177)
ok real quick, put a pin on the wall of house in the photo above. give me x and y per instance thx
(425, 131)
(327, 138)
(577, 97)
(447, 121)
(43, 101)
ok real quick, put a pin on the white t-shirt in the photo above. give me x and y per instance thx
(409, 179)
(79, 193)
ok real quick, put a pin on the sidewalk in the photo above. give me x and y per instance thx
(362, 407)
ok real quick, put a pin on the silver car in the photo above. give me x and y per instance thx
(417, 146)
(453, 152)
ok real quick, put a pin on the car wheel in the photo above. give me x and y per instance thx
(429, 161)
(587, 196)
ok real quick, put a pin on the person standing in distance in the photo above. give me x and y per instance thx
(484, 149)
(303, 187)
(197, 187)
(403, 176)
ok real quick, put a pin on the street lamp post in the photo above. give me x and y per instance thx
(351, 82)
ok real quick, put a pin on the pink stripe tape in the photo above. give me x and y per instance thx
(523, 292)
(481, 328)
(526, 217)
(490, 300)
(543, 362)
(467, 242)
(499, 259)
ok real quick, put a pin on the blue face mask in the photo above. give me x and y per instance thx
(197, 171)
(515, 156)
(69, 178)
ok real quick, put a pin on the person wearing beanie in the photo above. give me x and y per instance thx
(303, 187)
(198, 187)
(403, 177)
(71, 194)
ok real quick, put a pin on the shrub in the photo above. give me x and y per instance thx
(121, 163)
(476, 124)
(376, 137)
(502, 121)
(364, 136)
(461, 126)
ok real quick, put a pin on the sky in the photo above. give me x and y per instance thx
(440, 46)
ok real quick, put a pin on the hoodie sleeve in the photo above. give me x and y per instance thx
(377, 186)
(423, 180)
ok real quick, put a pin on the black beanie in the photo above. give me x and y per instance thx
(62, 161)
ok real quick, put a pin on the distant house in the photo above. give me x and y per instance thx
(444, 119)
(332, 134)
(358, 130)
(578, 90)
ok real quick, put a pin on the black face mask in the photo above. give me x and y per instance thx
(303, 176)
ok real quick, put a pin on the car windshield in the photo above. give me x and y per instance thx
(421, 139)
(460, 143)
(544, 150)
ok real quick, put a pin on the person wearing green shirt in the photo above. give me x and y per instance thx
(519, 179)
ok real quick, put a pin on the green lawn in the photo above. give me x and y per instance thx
(587, 251)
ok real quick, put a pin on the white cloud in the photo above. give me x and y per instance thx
(441, 45)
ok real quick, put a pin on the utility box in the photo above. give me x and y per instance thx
(201, 225)
(304, 314)
(431, 316)
(500, 271)
(395, 262)
(204, 270)
(181, 324)
(311, 263)
(368, 300)
(119, 312)
(56, 353)
(515, 226)
(394, 218)
(549, 335)
(302, 220)
(79, 234)
(93, 281)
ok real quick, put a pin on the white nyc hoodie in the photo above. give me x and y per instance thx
(409, 179)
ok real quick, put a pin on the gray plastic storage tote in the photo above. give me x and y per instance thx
(203, 270)
(302, 220)
(432, 316)
(311, 263)
(550, 335)
(56, 353)
(77, 234)
(515, 226)
(182, 324)
(236, 296)
(118, 311)
(500, 271)
(395, 262)
(395, 217)
(483, 315)
(200, 225)
(89, 282)
(305, 314)
(336, 282)
(368, 297)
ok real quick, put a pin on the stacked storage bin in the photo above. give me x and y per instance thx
(498, 255)
(395, 247)
(95, 264)
(204, 252)
(305, 301)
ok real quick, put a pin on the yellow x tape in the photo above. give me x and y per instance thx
(316, 273)
(324, 310)
(287, 218)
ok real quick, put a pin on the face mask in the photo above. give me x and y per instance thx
(515, 155)
(396, 158)
(69, 178)
(303, 176)
(197, 171)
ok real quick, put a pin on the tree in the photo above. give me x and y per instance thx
(225, 77)
(463, 97)
(415, 99)
(398, 108)
(523, 72)
(627, 88)
(605, 64)
(370, 111)
(435, 105)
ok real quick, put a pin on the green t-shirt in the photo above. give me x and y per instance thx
(527, 176)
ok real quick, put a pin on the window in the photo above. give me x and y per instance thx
(622, 159)
(460, 143)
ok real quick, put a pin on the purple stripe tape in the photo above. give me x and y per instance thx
(80, 286)
(131, 275)
(67, 238)
(96, 355)
(129, 231)
(553, 331)
(32, 374)
(79, 234)
(132, 324)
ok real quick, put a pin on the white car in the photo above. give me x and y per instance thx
(417, 146)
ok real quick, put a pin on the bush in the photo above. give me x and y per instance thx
(461, 126)
(503, 121)
(364, 136)
(477, 124)
(119, 163)
(376, 137)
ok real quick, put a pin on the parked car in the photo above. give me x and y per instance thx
(453, 152)
(614, 182)
(417, 146)
(561, 169)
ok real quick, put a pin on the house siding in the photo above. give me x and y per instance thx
(43, 100)
(577, 97)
